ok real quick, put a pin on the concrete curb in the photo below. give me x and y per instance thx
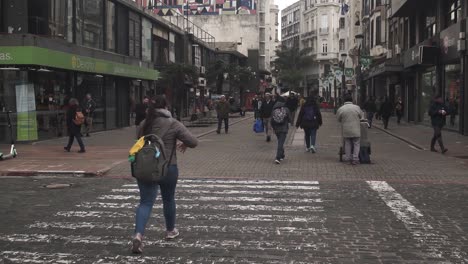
(98, 173)
(406, 140)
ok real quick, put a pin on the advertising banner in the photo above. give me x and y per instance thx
(26, 128)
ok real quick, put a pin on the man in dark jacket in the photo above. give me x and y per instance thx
(386, 112)
(223, 108)
(371, 108)
(399, 109)
(438, 112)
(140, 111)
(265, 113)
(281, 129)
(74, 130)
(89, 107)
(310, 119)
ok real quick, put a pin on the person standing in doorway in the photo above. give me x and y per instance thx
(280, 119)
(399, 109)
(265, 114)
(89, 108)
(310, 119)
(350, 115)
(160, 119)
(438, 113)
(386, 110)
(222, 109)
(371, 108)
(75, 119)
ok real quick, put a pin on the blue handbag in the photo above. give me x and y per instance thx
(258, 126)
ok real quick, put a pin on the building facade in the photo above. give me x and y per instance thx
(291, 25)
(51, 51)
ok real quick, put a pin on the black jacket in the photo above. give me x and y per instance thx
(386, 109)
(370, 107)
(437, 119)
(316, 123)
(292, 103)
(72, 127)
(266, 109)
(140, 113)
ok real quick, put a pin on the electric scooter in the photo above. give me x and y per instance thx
(13, 152)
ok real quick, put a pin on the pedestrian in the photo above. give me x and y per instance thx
(265, 113)
(140, 110)
(222, 109)
(280, 119)
(89, 107)
(159, 118)
(75, 119)
(378, 106)
(386, 110)
(310, 119)
(292, 103)
(453, 110)
(371, 108)
(255, 106)
(350, 115)
(399, 109)
(302, 101)
(438, 113)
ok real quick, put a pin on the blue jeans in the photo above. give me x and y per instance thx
(370, 117)
(148, 193)
(281, 140)
(310, 136)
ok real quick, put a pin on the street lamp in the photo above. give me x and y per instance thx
(343, 77)
(359, 39)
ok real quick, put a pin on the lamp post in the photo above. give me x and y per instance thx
(360, 83)
(343, 77)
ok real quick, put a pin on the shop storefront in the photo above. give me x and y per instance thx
(36, 85)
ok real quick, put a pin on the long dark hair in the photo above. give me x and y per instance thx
(158, 102)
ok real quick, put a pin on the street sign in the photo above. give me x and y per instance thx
(325, 83)
(366, 61)
(338, 74)
(349, 72)
(331, 77)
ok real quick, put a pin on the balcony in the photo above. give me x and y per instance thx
(309, 34)
(324, 31)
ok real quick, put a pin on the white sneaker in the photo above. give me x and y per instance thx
(277, 162)
(172, 234)
(312, 149)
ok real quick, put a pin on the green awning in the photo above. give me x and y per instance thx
(30, 55)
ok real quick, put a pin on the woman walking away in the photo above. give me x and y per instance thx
(75, 119)
(386, 112)
(310, 119)
(159, 119)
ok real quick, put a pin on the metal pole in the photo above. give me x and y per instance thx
(335, 101)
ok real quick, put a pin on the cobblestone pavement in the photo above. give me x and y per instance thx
(236, 206)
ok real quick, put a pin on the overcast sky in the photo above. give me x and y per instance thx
(284, 3)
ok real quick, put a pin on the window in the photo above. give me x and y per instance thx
(324, 21)
(134, 36)
(47, 17)
(430, 29)
(146, 39)
(372, 34)
(89, 23)
(110, 26)
(453, 12)
(342, 45)
(325, 47)
(342, 23)
(378, 31)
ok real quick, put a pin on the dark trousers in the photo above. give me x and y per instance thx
(72, 137)
(385, 121)
(437, 137)
(226, 124)
(399, 116)
(281, 140)
(310, 137)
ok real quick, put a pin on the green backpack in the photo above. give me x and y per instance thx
(152, 161)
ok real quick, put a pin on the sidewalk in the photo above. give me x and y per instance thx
(104, 150)
(420, 136)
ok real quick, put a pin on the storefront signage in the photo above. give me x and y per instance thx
(448, 43)
(349, 72)
(421, 55)
(56, 59)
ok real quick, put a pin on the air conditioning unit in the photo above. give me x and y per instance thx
(201, 82)
(389, 54)
(397, 49)
(202, 69)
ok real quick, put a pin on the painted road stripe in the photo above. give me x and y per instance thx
(220, 199)
(253, 186)
(201, 217)
(64, 258)
(197, 228)
(234, 192)
(220, 207)
(180, 243)
(249, 182)
(414, 222)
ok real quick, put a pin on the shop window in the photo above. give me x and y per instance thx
(110, 26)
(89, 23)
(134, 35)
(47, 18)
(94, 85)
(452, 95)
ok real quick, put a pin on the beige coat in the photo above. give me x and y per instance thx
(350, 115)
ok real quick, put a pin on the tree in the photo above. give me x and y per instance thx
(291, 64)
(179, 76)
(236, 76)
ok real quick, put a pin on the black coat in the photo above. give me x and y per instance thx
(266, 109)
(386, 109)
(370, 107)
(73, 128)
(437, 119)
(316, 123)
(140, 113)
(292, 103)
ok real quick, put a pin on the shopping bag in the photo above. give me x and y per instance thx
(258, 126)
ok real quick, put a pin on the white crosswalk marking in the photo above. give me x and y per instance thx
(257, 209)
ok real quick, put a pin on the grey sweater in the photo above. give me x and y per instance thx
(177, 131)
